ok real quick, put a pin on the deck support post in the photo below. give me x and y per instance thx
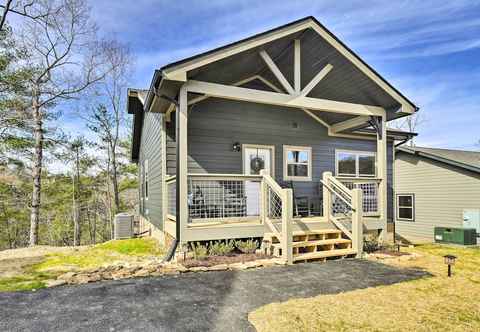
(182, 167)
(381, 128)
(327, 202)
(287, 216)
(357, 222)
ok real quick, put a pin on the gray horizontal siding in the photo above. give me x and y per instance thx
(441, 191)
(151, 149)
(214, 125)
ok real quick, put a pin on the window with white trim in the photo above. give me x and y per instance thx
(355, 163)
(406, 207)
(297, 163)
(145, 178)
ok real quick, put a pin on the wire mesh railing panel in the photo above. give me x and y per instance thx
(370, 194)
(172, 198)
(229, 198)
(339, 205)
(274, 203)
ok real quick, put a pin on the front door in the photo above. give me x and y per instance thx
(255, 158)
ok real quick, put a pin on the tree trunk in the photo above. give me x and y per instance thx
(76, 212)
(116, 194)
(37, 169)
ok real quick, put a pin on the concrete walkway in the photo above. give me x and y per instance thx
(218, 301)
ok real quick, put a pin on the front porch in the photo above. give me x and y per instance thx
(224, 206)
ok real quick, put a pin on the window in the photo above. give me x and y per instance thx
(297, 163)
(406, 207)
(355, 164)
(145, 178)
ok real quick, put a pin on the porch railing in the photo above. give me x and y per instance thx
(278, 208)
(223, 197)
(370, 190)
(344, 207)
(171, 201)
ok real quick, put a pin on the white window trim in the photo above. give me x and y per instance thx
(145, 178)
(357, 168)
(405, 207)
(286, 149)
(260, 146)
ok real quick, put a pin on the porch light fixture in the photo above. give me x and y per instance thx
(236, 147)
(450, 261)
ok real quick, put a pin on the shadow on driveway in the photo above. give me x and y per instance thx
(217, 301)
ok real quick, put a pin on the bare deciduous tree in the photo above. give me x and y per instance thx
(410, 123)
(106, 119)
(22, 8)
(67, 58)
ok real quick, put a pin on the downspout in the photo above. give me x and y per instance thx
(173, 247)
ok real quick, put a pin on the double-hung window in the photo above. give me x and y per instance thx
(355, 164)
(297, 163)
(406, 207)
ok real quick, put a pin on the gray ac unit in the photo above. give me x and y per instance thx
(123, 226)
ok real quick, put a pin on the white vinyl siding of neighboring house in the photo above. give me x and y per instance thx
(441, 192)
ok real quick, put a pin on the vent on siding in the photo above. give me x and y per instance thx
(123, 226)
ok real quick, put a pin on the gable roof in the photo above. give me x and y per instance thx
(309, 22)
(469, 160)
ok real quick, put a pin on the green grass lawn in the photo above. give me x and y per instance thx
(435, 303)
(35, 276)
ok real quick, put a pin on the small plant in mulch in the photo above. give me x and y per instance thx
(219, 260)
(370, 244)
(200, 252)
(220, 248)
(247, 247)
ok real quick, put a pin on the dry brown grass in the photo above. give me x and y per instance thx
(435, 303)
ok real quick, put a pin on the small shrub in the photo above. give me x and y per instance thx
(371, 244)
(200, 252)
(247, 247)
(221, 248)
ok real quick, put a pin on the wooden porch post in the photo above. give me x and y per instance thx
(287, 213)
(327, 202)
(182, 167)
(357, 221)
(382, 174)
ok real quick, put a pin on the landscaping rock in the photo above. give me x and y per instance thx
(55, 283)
(67, 276)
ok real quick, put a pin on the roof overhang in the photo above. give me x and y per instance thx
(438, 158)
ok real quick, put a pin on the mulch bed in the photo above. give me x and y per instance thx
(218, 260)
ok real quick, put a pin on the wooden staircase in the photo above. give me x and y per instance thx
(313, 245)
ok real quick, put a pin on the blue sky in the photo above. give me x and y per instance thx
(429, 50)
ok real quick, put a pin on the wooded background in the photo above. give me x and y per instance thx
(57, 188)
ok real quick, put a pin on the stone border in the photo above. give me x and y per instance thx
(150, 269)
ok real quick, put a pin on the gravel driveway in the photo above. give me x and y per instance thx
(218, 301)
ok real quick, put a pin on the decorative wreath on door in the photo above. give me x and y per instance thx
(257, 164)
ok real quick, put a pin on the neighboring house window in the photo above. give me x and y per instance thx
(406, 207)
(297, 163)
(355, 163)
(145, 179)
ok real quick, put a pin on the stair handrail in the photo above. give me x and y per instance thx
(333, 191)
(286, 197)
(354, 200)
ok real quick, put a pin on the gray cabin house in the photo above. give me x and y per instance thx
(281, 136)
(435, 188)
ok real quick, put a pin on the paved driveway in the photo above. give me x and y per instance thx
(218, 301)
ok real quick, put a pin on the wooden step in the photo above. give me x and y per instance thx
(310, 232)
(324, 254)
(316, 242)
